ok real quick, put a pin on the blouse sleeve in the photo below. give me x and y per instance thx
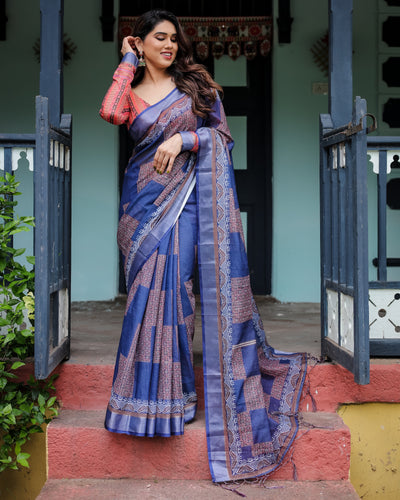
(217, 120)
(117, 107)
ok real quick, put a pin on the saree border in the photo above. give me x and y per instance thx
(223, 440)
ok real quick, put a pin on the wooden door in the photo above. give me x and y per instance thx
(248, 109)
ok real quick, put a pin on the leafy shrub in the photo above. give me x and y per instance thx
(24, 405)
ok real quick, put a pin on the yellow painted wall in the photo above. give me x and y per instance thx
(26, 484)
(375, 449)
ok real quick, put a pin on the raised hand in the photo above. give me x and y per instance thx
(128, 45)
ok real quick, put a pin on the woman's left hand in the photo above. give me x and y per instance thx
(166, 154)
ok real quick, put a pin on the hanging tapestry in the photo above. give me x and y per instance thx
(216, 36)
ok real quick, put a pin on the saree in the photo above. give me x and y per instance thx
(168, 223)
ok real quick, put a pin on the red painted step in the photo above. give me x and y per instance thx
(88, 387)
(80, 447)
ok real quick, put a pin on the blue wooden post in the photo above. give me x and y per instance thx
(51, 57)
(7, 160)
(340, 61)
(8, 170)
(42, 234)
(360, 250)
(382, 223)
(344, 218)
(325, 226)
(52, 240)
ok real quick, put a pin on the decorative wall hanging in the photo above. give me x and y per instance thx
(69, 49)
(320, 52)
(232, 36)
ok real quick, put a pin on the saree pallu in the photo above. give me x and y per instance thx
(251, 391)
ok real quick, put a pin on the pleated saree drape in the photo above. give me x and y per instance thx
(168, 223)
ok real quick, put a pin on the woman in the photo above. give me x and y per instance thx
(179, 205)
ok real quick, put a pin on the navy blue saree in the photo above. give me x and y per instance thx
(169, 223)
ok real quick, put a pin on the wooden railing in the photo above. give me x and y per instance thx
(14, 149)
(384, 294)
(384, 154)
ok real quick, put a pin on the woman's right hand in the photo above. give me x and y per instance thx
(128, 45)
(166, 153)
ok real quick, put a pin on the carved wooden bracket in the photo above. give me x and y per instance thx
(107, 20)
(284, 22)
(3, 19)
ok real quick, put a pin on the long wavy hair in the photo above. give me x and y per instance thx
(190, 78)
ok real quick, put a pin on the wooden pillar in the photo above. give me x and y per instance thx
(340, 61)
(51, 56)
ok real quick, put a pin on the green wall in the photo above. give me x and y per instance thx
(19, 85)
(295, 123)
(95, 176)
(295, 273)
(295, 261)
(95, 155)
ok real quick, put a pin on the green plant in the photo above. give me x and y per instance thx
(24, 405)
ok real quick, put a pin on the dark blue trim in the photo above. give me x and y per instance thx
(383, 142)
(360, 253)
(17, 140)
(385, 285)
(340, 65)
(51, 56)
(382, 247)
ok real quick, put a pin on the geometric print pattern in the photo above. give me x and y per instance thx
(235, 219)
(125, 379)
(126, 227)
(153, 388)
(242, 306)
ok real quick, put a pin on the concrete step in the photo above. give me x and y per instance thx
(80, 447)
(327, 386)
(128, 489)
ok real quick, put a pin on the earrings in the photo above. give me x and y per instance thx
(142, 62)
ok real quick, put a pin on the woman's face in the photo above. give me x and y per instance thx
(160, 46)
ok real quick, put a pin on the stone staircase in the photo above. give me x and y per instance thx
(87, 462)
(83, 457)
